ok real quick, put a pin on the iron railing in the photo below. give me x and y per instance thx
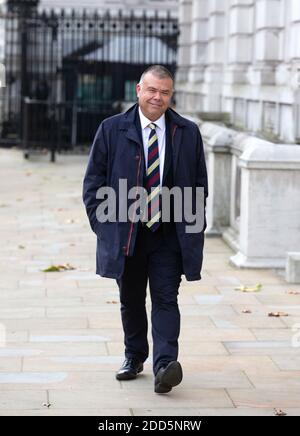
(69, 70)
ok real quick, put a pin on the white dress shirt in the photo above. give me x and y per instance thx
(161, 137)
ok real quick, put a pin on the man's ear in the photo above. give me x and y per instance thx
(138, 88)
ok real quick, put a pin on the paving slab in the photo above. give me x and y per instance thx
(61, 339)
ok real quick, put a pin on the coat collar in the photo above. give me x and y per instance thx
(128, 118)
(160, 123)
(128, 124)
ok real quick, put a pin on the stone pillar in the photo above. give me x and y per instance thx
(2, 31)
(3, 75)
(217, 141)
(268, 26)
(292, 47)
(270, 204)
(184, 46)
(199, 40)
(216, 55)
(240, 29)
(292, 270)
(184, 55)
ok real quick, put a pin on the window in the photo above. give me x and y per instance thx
(130, 92)
(92, 89)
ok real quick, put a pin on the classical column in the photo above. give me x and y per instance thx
(198, 55)
(292, 48)
(2, 68)
(184, 54)
(199, 40)
(184, 45)
(2, 42)
(268, 27)
(240, 35)
(216, 55)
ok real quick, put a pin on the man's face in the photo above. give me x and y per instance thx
(154, 95)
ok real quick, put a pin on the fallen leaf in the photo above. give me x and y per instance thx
(28, 173)
(279, 412)
(57, 268)
(245, 288)
(277, 314)
(293, 292)
(46, 405)
(246, 311)
(21, 247)
(3, 205)
(112, 302)
(51, 268)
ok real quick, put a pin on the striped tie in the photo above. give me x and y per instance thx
(152, 181)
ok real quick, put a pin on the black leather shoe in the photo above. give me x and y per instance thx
(168, 377)
(130, 368)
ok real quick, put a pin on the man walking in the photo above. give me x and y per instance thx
(153, 147)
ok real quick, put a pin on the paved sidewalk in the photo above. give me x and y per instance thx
(62, 330)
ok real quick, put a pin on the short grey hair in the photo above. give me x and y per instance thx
(159, 71)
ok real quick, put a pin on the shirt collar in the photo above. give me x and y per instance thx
(161, 122)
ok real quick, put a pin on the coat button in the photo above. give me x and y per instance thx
(124, 248)
(137, 157)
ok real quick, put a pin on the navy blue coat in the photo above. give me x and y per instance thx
(117, 153)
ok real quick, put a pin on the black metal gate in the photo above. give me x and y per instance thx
(67, 71)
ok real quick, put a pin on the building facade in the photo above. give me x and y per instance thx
(238, 76)
(242, 57)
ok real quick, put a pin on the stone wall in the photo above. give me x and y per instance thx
(254, 200)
